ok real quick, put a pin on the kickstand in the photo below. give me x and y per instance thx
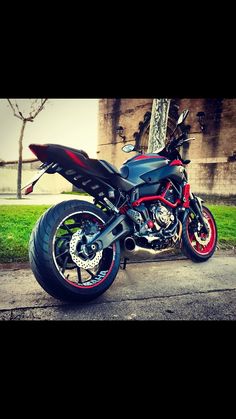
(123, 266)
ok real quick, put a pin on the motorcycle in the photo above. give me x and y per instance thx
(75, 247)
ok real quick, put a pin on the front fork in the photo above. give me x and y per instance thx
(196, 206)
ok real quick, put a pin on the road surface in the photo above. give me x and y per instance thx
(166, 290)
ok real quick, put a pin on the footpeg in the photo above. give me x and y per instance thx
(135, 216)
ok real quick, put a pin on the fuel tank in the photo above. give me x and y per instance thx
(151, 168)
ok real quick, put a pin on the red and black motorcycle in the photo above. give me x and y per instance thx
(75, 247)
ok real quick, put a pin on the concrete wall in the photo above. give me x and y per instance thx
(210, 171)
(119, 112)
(48, 184)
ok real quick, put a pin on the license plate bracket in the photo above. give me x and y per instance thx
(29, 187)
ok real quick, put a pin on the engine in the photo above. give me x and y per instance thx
(155, 225)
(162, 217)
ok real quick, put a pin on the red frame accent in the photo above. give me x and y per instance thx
(159, 197)
(149, 157)
(186, 194)
(155, 197)
(168, 185)
(76, 159)
(123, 209)
(176, 163)
(150, 224)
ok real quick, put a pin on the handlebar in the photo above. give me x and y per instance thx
(177, 142)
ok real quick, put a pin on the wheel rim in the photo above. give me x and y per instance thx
(67, 262)
(198, 239)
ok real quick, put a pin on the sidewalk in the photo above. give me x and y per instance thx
(164, 290)
(37, 199)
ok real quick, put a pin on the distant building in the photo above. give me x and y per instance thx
(212, 122)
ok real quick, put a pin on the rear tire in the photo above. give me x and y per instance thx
(50, 254)
(191, 247)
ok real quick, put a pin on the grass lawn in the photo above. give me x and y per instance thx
(16, 224)
(75, 193)
(225, 217)
(17, 221)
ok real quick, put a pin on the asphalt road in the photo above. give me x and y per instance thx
(166, 290)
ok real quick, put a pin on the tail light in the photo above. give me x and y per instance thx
(40, 151)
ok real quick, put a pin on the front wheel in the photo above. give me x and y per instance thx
(57, 256)
(197, 245)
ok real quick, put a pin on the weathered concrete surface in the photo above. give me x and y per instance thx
(164, 290)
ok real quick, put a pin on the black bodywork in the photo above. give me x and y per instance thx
(100, 178)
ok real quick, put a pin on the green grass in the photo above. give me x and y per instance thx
(17, 222)
(75, 193)
(225, 217)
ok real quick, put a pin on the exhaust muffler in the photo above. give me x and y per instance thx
(132, 249)
(129, 244)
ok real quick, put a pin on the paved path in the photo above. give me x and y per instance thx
(37, 199)
(164, 290)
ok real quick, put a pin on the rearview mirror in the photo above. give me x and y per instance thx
(128, 148)
(183, 116)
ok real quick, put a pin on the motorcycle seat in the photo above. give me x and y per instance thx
(111, 167)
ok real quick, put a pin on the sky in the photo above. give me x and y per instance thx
(69, 122)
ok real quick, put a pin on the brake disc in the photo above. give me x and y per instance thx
(77, 256)
(203, 241)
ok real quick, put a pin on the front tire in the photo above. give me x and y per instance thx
(196, 245)
(55, 256)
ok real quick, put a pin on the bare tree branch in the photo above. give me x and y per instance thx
(13, 109)
(19, 112)
(32, 109)
(43, 101)
(32, 113)
(5, 163)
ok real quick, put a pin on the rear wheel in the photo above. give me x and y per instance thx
(196, 244)
(57, 256)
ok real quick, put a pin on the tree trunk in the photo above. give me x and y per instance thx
(158, 125)
(19, 169)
